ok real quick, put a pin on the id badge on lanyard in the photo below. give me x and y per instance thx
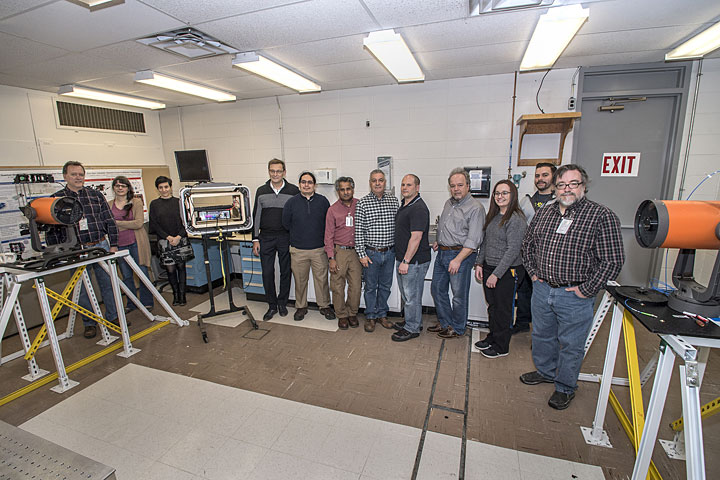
(564, 226)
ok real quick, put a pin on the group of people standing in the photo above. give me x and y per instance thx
(545, 256)
(118, 224)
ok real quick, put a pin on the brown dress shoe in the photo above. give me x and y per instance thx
(386, 323)
(436, 328)
(449, 333)
(343, 323)
(369, 324)
(353, 321)
(90, 331)
(300, 314)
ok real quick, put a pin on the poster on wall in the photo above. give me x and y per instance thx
(12, 220)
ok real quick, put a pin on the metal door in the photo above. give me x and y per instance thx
(652, 127)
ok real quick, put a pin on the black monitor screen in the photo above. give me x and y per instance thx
(193, 165)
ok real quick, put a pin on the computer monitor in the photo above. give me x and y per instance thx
(193, 165)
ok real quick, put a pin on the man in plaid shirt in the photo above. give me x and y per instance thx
(571, 249)
(374, 244)
(97, 228)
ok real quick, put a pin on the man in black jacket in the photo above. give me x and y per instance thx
(270, 237)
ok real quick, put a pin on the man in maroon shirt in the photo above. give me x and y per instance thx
(345, 267)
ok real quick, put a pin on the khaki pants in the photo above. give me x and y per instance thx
(300, 263)
(351, 274)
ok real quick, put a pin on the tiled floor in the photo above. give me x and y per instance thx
(155, 425)
(298, 402)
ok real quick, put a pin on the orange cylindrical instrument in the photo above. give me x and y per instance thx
(690, 224)
(57, 210)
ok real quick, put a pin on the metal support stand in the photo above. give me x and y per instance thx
(13, 278)
(231, 305)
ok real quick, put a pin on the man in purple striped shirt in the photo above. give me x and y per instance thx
(571, 249)
(345, 267)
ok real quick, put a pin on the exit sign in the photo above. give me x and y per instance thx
(620, 164)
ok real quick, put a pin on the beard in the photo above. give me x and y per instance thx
(568, 199)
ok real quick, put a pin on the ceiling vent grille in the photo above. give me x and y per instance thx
(99, 118)
(189, 43)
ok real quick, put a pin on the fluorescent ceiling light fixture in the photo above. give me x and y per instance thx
(183, 86)
(698, 46)
(112, 97)
(96, 4)
(259, 65)
(390, 49)
(552, 34)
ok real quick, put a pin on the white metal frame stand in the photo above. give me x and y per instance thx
(13, 279)
(691, 373)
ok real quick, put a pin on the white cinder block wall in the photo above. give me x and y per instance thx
(427, 128)
(29, 135)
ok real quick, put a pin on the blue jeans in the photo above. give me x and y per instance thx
(411, 289)
(106, 292)
(146, 297)
(454, 316)
(561, 322)
(378, 281)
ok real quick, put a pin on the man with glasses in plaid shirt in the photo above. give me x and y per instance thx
(571, 249)
(374, 244)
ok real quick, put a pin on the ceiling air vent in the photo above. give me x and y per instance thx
(86, 116)
(189, 43)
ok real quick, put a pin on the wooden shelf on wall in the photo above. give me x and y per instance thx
(545, 123)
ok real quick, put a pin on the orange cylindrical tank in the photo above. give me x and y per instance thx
(692, 224)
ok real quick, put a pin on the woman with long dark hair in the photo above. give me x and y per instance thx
(128, 213)
(166, 223)
(498, 266)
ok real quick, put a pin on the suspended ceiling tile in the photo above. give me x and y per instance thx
(75, 28)
(13, 7)
(468, 56)
(292, 24)
(635, 40)
(346, 71)
(471, 71)
(204, 69)
(246, 83)
(71, 68)
(400, 13)
(321, 52)
(17, 51)
(485, 30)
(625, 58)
(136, 56)
(197, 11)
(623, 15)
(27, 82)
(360, 82)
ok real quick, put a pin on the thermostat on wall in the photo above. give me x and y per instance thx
(326, 176)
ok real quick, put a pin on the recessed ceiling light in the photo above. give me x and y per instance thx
(96, 4)
(698, 46)
(552, 34)
(392, 51)
(265, 67)
(105, 96)
(183, 86)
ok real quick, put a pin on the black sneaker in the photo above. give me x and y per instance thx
(534, 378)
(561, 400)
(401, 325)
(403, 335)
(490, 352)
(519, 328)
(483, 345)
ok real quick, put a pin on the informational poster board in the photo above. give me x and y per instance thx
(12, 220)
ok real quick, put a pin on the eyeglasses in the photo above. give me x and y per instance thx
(307, 182)
(276, 172)
(121, 185)
(573, 185)
(502, 194)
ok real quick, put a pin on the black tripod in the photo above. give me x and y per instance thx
(222, 244)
